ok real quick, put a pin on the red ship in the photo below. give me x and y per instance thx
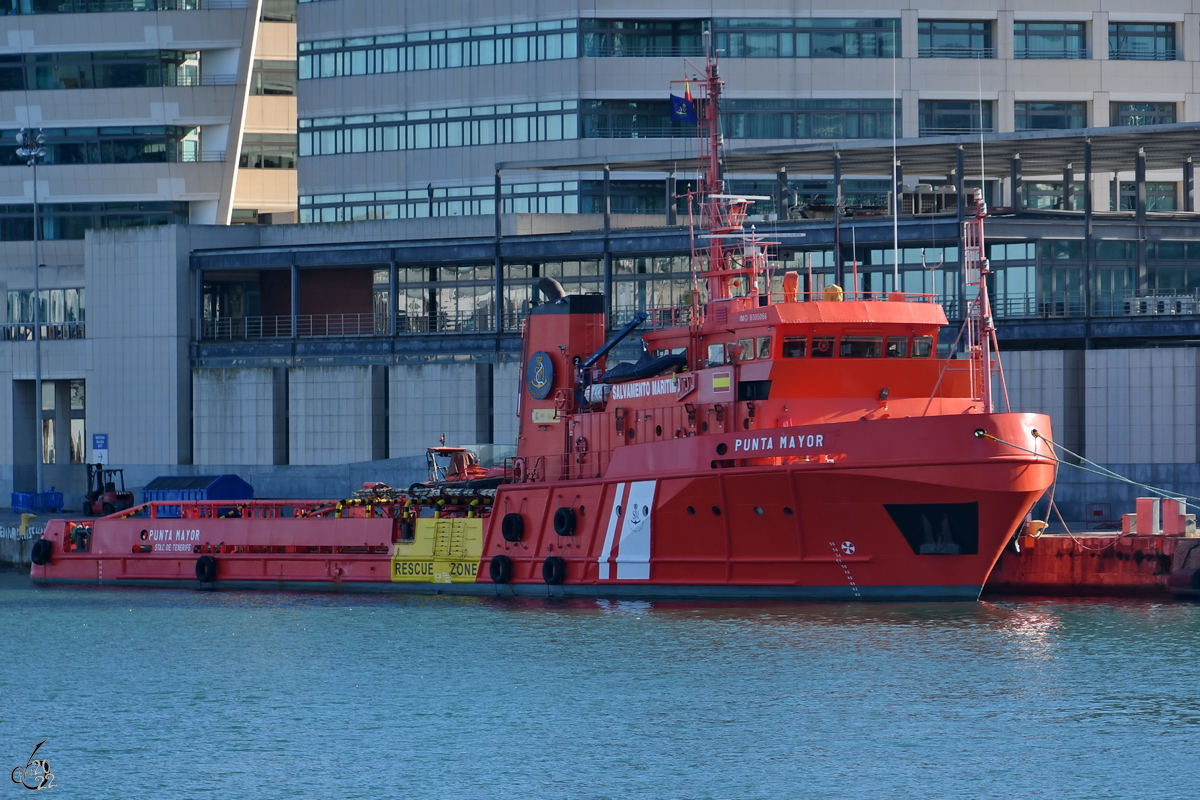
(791, 444)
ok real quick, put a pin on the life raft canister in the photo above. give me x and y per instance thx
(501, 569)
(554, 570)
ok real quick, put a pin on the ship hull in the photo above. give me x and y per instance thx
(888, 510)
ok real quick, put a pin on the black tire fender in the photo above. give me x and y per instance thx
(41, 552)
(501, 569)
(554, 570)
(512, 527)
(564, 521)
(206, 569)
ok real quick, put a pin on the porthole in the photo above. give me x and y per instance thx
(704, 426)
(745, 424)
(658, 430)
(631, 433)
(787, 511)
(716, 511)
(691, 511)
(722, 449)
(758, 511)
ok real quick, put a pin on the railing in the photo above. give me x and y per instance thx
(1134, 54)
(625, 50)
(229, 79)
(323, 326)
(23, 331)
(950, 51)
(1057, 53)
(647, 132)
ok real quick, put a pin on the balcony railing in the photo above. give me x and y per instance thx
(1044, 305)
(951, 51)
(327, 326)
(23, 331)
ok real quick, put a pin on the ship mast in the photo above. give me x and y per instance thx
(981, 331)
(730, 256)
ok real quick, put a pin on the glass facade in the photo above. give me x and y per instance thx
(1129, 41)
(443, 49)
(100, 6)
(61, 313)
(808, 38)
(638, 38)
(1049, 116)
(1050, 40)
(273, 78)
(109, 145)
(268, 151)
(447, 127)
(809, 119)
(941, 38)
(1143, 114)
(71, 220)
(104, 70)
(954, 117)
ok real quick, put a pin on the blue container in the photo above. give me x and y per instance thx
(34, 503)
(194, 487)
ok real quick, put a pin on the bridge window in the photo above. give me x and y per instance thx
(795, 346)
(897, 347)
(747, 346)
(764, 347)
(716, 355)
(862, 347)
(823, 346)
(922, 346)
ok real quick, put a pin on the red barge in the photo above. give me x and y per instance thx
(767, 444)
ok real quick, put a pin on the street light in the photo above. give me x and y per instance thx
(31, 146)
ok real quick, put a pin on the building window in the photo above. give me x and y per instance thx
(1049, 116)
(273, 10)
(1050, 40)
(1050, 196)
(72, 220)
(105, 70)
(954, 117)
(954, 39)
(809, 119)
(645, 38)
(1159, 197)
(85, 6)
(1129, 41)
(61, 314)
(109, 145)
(268, 151)
(808, 38)
(445, 127)
(549, 40)
(273, 78)
(1125, 114)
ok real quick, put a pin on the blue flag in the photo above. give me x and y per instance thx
(683, 109)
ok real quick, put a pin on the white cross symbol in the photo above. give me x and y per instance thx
(847, 547)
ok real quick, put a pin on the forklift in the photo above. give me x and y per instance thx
(102, 495)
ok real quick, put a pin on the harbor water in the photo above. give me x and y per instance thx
(187, 693)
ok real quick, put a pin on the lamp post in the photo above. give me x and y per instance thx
(31, 146)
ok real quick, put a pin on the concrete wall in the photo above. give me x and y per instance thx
(335, 414)
(506, 387)
(429, 400)
(1141, 406)
(234, 416)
